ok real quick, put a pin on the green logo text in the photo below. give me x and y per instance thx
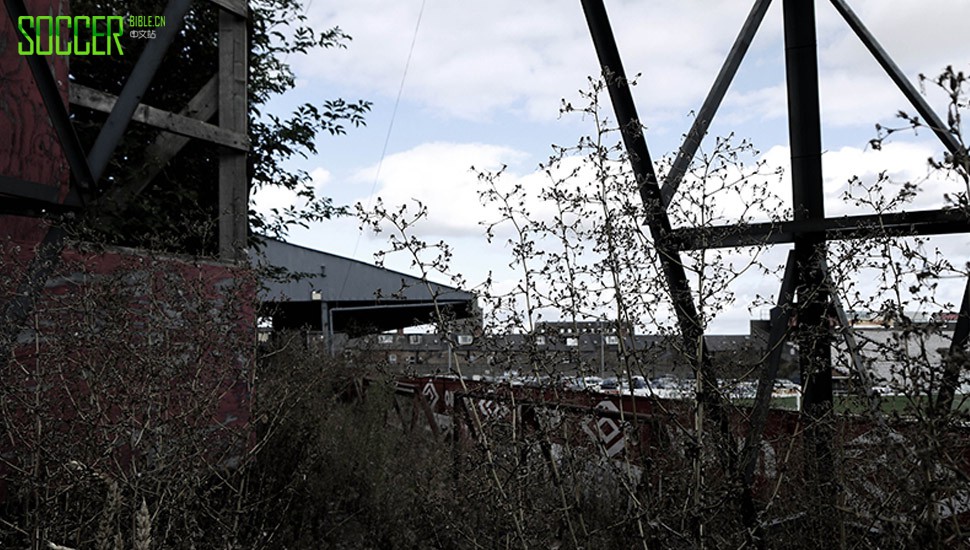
(42, 35)
(146, 21)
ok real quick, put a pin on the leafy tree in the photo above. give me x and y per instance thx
(177, 211)
(276, 140)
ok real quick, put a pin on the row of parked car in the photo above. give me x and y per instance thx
(665, 387)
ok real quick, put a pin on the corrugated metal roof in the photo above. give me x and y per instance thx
(344, 280)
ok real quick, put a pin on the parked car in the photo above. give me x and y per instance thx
(610, 385)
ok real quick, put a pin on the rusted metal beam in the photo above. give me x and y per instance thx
(920, 222)
(848, 336)
(19, 307)
(707, 111)
(46, 195)
(905, 86)
(711, 406)
(781, 316)
(812, 326)
(135, 87)
(420, 402)
(646, 177)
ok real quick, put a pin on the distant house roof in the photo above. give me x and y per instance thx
(351, 292)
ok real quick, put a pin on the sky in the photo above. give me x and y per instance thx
(483, 84)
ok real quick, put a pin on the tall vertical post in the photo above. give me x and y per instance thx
(804, 128)
(326, 323)
(233, 115)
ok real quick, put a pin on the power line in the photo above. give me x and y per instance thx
(387, 137)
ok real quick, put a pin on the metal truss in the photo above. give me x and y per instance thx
(806, 300)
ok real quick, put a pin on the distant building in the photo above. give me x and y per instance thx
(565, 348)
(902, 353)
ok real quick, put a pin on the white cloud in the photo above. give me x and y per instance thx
(474, 59)
(444, 177)
(902, 161)
(920, 36)
(761, 104)
(321, 177)
(440, 176)
(266, 199)
(471, 59)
